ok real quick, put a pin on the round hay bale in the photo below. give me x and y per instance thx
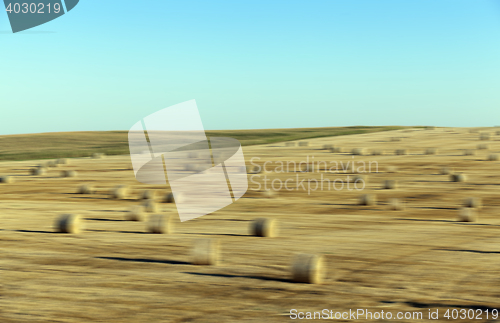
(390, 184)
(473, 131)
(62, 161)
(347, 167)
(205, 252)
(161, 224)
(86, 189)
(254, 169)
(395, 138)
(69, 173)
(303, 143)
(358, 179)
(97, 155)
(376, 152)
(446, 171)
(52, 163)
(430, 128)
(368, 199)
(7, 179)
(401, 152)
(265, 228)
(473, 202)
(120, 192)
(150, 206)
(467, 215)
(498, 133)
(169, 198)
(191, 167)
(307, 168)
(217, 155)
(482, 147)
(308, 269)
(431, 151)
(38, 171)
(391, 169)
(458, 177)
(358, 151)
(336, 150)
(267, 193)
(148, 195)
(493, 157)
(193, 154)
(290, 144)
(484, 136)
(469, 152)
(69, 223)
(327, 146)
(136, 213)
(396, 204)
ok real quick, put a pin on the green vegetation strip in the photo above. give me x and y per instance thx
(84, 144)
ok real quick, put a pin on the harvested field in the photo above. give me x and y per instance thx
(415, 259)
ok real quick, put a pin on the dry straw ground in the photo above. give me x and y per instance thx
(374, 258)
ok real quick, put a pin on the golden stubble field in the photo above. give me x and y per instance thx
(377, 259)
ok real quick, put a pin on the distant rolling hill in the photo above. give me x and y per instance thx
(82, 144)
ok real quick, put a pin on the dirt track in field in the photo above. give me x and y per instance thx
(377, 259)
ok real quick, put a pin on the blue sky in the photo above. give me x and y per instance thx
(255, 64)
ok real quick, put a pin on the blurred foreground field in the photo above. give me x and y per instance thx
(377, 259)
